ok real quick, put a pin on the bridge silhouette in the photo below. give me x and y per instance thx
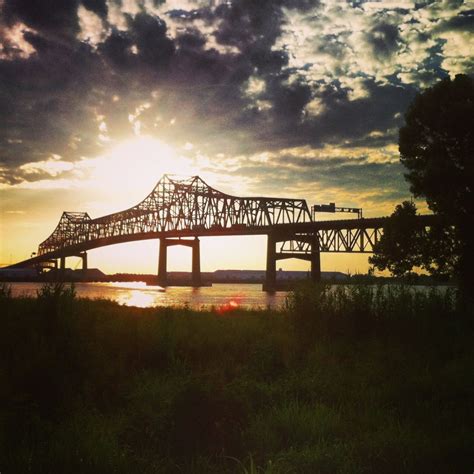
(180, 211)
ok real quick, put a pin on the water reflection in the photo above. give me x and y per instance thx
(223, 297)
(136, 298)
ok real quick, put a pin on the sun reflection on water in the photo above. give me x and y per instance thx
(136, 293)
(221, 297)
(138, 298)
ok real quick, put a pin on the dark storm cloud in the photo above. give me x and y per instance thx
(52, 101)
(373, 141)
(320, 162)
(464, 21)
(149, 35)
(353, 176)
(219, 76)
(377, 112)
(57, 17)
(383, 39)
(359, 178)
(342, 121)
(144, 44)
(332, 45)
(247, 23)
(47, 105)
(289, 101)
(97, 6)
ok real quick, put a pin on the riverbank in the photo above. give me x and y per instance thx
(341, 381)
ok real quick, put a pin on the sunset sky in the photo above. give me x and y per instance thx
(285, 98)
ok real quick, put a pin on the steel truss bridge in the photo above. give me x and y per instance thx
(180, 211)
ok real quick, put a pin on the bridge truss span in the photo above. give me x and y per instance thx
(187, 207)
(179, 211)
(356, 240)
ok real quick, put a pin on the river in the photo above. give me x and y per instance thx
(141, 295)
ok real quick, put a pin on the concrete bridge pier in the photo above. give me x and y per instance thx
(270, 273)
(62, 267)
(83, 256)
(196, 263)
(162, 263)
(62, 262)
(315, 259)
(313, 256)
(196, 260)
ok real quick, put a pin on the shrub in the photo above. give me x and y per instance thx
(5, 291)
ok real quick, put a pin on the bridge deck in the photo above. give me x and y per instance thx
(280, 230)
(191, 208)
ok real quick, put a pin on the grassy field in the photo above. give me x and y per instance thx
(345, 380)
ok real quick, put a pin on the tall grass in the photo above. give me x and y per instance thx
(347, 379)
(359, 309)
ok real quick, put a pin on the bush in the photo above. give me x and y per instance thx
(5, 291)
(56, 291)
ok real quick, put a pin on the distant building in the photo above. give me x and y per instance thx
(91, 274)
(258, 276)
(17, 273)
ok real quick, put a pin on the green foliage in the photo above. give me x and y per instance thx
(347, 379)
(56, 291)
(357, 311)
(404, 246)
(437, 143)
(5, 291)
(401, 245)
(441, 250)
(437, 148)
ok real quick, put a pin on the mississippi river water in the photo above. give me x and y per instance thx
(141, 295)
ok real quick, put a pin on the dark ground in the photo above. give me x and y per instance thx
(352, 380)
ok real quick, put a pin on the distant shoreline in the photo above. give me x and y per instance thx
(285, 279)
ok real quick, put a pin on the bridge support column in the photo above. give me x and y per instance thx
(315, 259)
(84, 261)
(162, 263)
(196, 263)
(270, 275)
(62, 267)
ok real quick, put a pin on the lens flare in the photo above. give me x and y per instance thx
(231, 305)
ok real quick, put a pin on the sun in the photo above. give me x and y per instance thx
(135, 166)
(147, 158)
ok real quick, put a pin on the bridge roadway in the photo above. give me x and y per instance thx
(179, 212)
(334, 236)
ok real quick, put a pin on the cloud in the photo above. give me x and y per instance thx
(383, 39)
(237, 79)
(56, 19)
(91, 26)
(12, 42)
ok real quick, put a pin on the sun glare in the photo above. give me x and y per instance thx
(136, 165)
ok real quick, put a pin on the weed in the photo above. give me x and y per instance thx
(345, 380)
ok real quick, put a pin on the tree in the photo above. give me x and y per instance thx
(437, 148)
(404, 245)
(399, 249)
